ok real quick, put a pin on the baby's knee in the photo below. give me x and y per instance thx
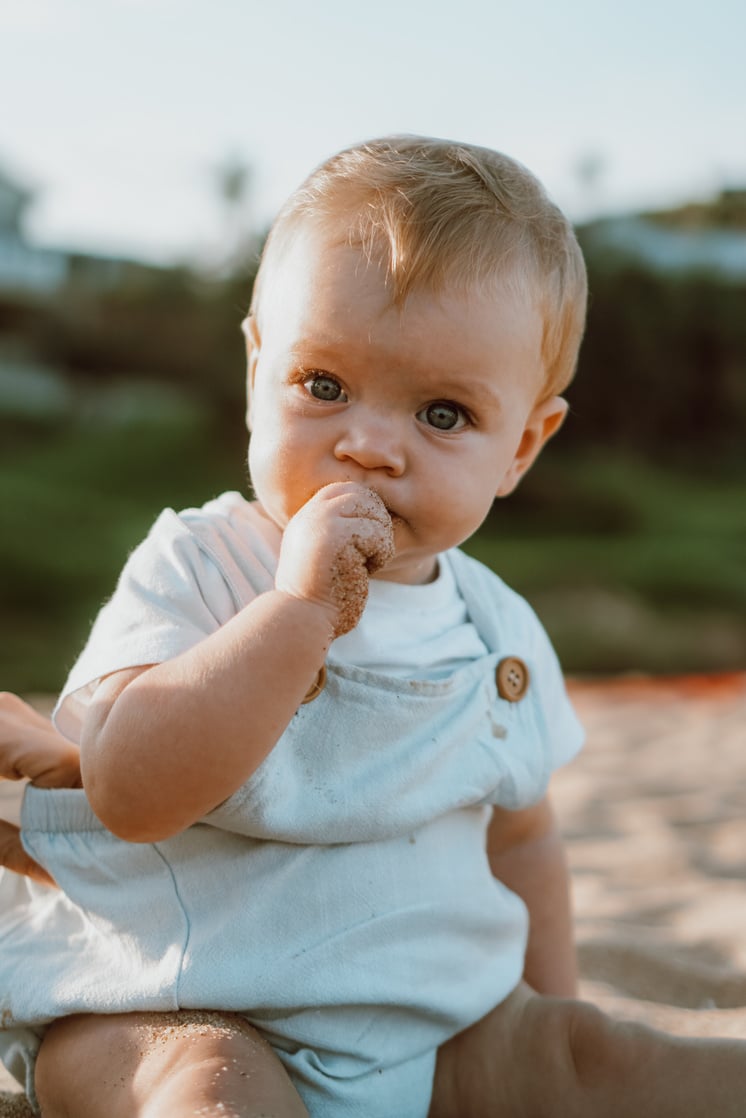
(154, 1065)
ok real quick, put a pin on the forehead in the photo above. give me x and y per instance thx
(330, 306)
(317, 269)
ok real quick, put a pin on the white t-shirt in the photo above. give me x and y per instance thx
(419, 632)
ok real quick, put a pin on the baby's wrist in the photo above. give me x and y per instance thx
(313, 615)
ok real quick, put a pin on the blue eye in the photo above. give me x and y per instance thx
(443, 416)
(324, 387)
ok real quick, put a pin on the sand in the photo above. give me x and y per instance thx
(655, 817)
(359, 559)
(654, 813)
(14, 1106)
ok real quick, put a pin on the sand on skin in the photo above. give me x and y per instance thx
(360, 559)
(654, 813)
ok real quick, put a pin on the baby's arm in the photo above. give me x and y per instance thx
(526, 853)
(162, 746)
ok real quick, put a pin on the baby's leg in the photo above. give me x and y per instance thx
(535, 1057)
(158, 1065)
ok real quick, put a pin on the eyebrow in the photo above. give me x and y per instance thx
(327, 346)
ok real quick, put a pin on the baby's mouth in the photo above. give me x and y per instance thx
(395, 517)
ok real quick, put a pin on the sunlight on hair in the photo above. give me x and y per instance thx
(436, 214)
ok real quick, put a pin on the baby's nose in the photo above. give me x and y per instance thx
(373, 445)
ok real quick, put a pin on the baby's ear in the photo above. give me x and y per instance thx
(253, 345)
(543, 422)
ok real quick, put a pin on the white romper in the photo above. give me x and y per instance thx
(341, 899)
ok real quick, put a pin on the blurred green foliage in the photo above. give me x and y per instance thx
(631, 565)
(167, 326)
(662, 370)
(629, 536)
(76, 498)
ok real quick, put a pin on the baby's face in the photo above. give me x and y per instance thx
(432, 405)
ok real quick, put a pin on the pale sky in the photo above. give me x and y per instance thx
(119, 111)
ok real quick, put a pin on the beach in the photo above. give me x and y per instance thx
(654, 815)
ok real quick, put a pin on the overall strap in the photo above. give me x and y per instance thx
(504, 620)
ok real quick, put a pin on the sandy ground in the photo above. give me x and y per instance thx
(655, 817)
(654, 812)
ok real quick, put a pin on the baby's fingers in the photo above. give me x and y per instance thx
(365, 552)
(14, 857)
(374, 535)
(374, 543)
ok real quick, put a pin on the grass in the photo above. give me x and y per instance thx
(631, 567)
(75, 500)
(647, 571)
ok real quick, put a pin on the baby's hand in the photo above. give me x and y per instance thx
(332, 546)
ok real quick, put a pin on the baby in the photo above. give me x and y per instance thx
(316, 738)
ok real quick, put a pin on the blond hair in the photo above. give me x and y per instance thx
(439, 214)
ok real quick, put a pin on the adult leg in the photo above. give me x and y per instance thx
(158, 1065)
(535, 1057)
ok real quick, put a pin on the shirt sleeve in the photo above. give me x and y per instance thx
(171, 594)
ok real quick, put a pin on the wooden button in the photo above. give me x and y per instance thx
(317, 686)
(512, 679)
